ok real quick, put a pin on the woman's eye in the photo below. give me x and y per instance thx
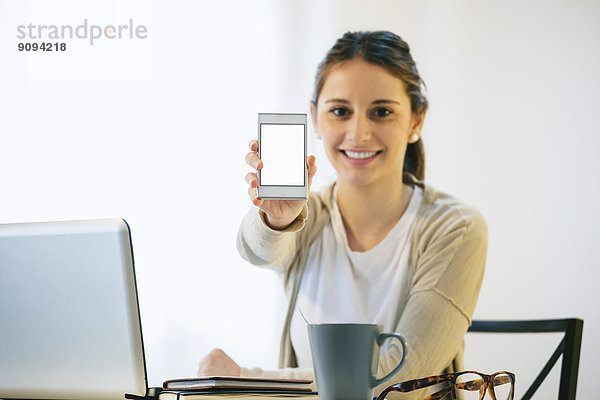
(381, 112)
(340, 111)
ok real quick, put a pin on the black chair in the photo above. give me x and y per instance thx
(569, 347)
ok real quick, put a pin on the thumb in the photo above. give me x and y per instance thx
(312, 169)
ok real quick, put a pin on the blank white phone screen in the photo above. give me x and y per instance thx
(282, 154)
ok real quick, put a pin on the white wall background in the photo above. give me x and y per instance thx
(155, 131)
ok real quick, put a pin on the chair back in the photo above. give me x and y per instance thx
(569, 347)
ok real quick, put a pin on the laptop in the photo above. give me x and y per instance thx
(69, 317)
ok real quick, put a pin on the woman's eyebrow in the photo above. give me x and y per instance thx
(337, 101)
(385, 101)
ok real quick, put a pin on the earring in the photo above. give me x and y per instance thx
(414, 138)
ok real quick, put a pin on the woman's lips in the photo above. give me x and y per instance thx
(359, 157)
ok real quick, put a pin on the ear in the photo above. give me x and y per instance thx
(313, 114)
(416, 125)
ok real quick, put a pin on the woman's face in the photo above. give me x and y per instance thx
(364, 118)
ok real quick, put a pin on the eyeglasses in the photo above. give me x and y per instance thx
(467, 385)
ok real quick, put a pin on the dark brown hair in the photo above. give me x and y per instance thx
(387, 50)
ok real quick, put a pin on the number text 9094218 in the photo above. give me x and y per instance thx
(44, 46)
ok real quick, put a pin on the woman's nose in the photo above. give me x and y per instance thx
(359, 130)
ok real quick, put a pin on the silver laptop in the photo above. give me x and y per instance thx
(69, 318)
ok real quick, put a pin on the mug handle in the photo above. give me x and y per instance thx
(380, 339)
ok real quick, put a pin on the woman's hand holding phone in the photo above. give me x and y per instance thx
(280, 213)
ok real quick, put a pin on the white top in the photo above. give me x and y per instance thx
(344, 286)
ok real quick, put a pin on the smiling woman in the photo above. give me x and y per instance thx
(379, 246)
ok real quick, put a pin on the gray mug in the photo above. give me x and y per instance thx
(346, 359)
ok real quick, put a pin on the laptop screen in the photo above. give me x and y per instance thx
(69, 317)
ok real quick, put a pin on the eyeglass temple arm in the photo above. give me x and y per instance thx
(414, 384)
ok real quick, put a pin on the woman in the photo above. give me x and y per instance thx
(379, 246)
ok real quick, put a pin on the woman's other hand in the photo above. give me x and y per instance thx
(217, 363)
(280, 213)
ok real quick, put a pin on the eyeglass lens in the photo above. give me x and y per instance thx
(472, 387)
(502, 386)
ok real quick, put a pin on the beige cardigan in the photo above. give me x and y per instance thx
(447, 259)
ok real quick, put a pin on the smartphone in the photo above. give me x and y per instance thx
(282, 150)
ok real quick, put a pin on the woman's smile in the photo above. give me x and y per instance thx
(359, 157)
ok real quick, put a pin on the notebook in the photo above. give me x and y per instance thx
(236, 382)
(69, 318)
(238, 395)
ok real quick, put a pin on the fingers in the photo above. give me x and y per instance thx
(252, 179)
(253, 145)
(253, 160)
(253, 193)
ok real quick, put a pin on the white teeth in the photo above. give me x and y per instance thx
(362, 154)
